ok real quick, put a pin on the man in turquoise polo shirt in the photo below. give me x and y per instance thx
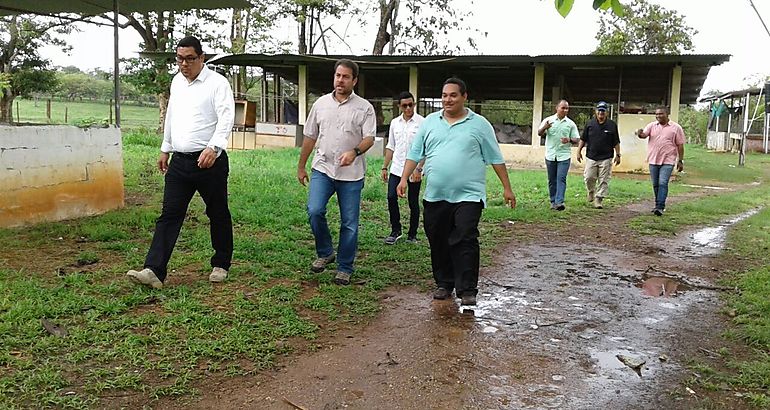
(457, 145)
(560, 133)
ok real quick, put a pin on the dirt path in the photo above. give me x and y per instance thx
(552, 321)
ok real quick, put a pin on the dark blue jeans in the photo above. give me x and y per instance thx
(322, 187)
(557, 180)
(660, 175)
(413, 195)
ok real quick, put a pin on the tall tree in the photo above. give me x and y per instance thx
(422, 28)
(644, 28)
(21, 66)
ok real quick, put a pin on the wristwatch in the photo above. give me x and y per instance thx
(357, 151)
(216, 149)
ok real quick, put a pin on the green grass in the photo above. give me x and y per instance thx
(158, 343)
(131, 116)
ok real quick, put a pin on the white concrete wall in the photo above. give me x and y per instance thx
(50, 173)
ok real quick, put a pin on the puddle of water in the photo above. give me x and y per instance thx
(661, 286)
(714, 237)
(716, 188)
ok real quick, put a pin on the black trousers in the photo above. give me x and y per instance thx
(183, 179)
(413, 197)
(453, 233)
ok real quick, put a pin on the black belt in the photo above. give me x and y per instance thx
(190, 155)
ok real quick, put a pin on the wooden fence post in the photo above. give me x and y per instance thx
(65, 114)
(48, 110)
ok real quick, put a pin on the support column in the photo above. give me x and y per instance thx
(414, 76)
(676, 87)
(263, 99)
(537, 102)
(302, 94)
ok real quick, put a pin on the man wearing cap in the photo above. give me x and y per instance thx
(665, 147)
(560, 133)
(601, 139)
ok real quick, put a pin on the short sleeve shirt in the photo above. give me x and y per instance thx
(338, 127)
(400, 139)
(600, 139)
(456, 157)
(663, 142)
(565, 127)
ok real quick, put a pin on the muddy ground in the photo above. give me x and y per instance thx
(565, 320)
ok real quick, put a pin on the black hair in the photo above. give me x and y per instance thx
(460, 83)
(349, 64)
(664, 108)
(193, 42)
(405, 95)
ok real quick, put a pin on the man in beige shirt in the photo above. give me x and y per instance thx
(341, 127)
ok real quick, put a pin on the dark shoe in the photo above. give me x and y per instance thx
(468, 300)
(658, 212)
(320, 263)
(412, 239)
(441, 294)
(590, 196)
(598, 202)
(560, 207)
(393, 238)
(342, 278)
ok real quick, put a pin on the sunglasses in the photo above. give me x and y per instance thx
(407, 105)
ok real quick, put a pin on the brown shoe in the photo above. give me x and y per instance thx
(320, 263)
(590, 196)
(468, 300)
(441, 294)
(342, 278)
(598, 202)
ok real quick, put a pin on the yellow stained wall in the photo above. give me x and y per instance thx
(58, 172)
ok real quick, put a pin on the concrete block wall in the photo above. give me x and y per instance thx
(51, 173)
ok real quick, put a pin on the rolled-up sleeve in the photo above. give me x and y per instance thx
(311, 124)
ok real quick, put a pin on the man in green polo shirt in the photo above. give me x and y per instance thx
(560, 133)
(457, 145)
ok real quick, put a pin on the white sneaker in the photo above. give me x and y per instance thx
(145, 277)
(217, 275)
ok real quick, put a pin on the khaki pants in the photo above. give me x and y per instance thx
(597, 176)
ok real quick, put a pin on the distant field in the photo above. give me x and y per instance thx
(132, 116)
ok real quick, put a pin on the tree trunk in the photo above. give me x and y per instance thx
(386, 16)
(302, 19)
(6, 107)
(162, 108)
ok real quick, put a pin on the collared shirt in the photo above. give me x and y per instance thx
(200, 113)
(400, 139)
(456, 157)
(565, 127)
(662, 142)
(600, 139)
(338, 127)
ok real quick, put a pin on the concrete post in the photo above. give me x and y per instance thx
(537, 102)
(302, 91)
(676, 87)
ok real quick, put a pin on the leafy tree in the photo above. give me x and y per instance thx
(22, 67)
(644, 28)
(427, 22)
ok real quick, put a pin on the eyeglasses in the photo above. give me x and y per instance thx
(188, 59)
(407, 105)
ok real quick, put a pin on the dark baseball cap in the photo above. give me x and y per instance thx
(602, 106)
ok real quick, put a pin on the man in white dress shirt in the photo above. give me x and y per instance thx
(199, 120)
(400, 136)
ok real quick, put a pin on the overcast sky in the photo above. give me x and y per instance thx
(527, 27)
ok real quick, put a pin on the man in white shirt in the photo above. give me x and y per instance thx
(340, 128)
(400, 136)
(199, 120)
